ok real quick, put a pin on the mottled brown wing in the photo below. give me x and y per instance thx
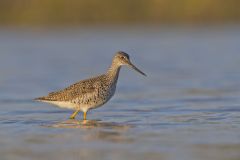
(71, 92)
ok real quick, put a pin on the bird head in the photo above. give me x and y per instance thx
(122, 58)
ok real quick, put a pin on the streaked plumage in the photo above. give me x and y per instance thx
(90, 93)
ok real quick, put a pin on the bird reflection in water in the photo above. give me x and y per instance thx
(106, 131)
(88, 124)
(72, 123)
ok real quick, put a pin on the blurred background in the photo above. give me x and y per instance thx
(187, 108)
(108, 12)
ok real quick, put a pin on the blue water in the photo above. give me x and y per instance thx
(187, 108)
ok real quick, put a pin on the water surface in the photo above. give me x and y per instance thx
(187, 108)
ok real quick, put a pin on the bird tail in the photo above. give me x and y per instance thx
(40, 99)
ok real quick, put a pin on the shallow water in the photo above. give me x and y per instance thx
(187, 108)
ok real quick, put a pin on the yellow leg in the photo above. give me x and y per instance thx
(74, 114)
(84, 115)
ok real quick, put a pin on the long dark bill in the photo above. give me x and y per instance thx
(136, 69)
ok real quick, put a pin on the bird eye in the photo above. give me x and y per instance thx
(122, 57)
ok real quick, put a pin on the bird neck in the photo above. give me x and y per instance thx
(113, 72)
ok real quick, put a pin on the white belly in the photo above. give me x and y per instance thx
(61, 104)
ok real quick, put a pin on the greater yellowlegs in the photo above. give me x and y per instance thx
(90, 93)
